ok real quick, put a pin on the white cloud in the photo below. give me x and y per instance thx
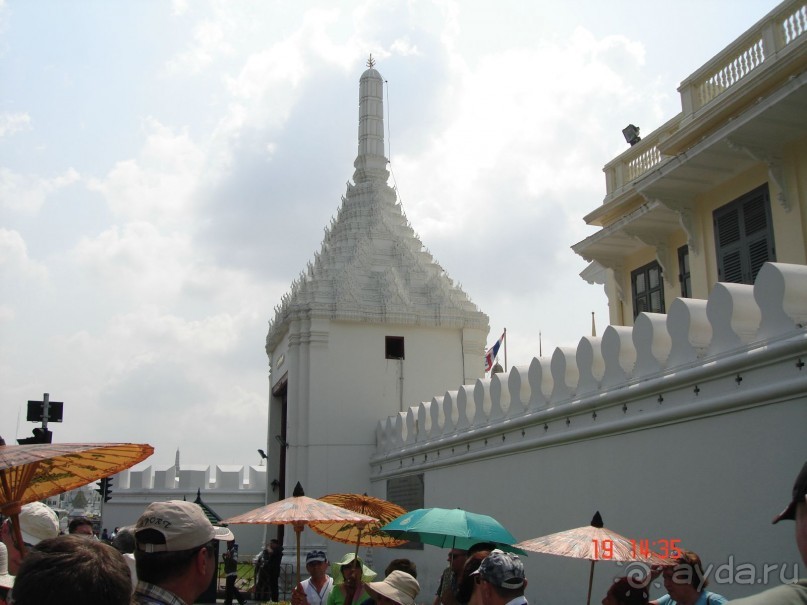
(136, 259)
(13, 122)
(6, 314)
(26, 194)
(179, 7)
(14, 259)
(159, 185)
(209, 43)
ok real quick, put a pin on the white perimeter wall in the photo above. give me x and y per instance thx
(713, 483)
(227, 490)
(687, 427)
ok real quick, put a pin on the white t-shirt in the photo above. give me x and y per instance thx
(314, 596)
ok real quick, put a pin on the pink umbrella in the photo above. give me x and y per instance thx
(299, 511)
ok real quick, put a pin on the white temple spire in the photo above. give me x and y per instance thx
(371, 164)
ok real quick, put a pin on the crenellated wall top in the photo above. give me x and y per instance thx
(697, 341)
(192, 477)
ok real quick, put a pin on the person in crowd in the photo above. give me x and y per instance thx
(448, 581)
(349, 578)
(124, 543)
(626, 591)
(230, 557)
(467, 592)
(174, 555)
(402, 565)
(796, 510)
(685, 583)
(398, 588)
(317, 588)
(6, 579)
(501, 579)
(71, 570)
(37, 522)
(105, 536)
(267, 571)
(81, 526)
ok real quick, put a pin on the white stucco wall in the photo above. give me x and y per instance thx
(686, 427)
(340, 385)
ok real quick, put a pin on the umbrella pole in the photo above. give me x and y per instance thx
(590, 580)
(358, 542)
(298, 529)
(15, 527)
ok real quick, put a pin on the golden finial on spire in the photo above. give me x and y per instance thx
(371, 61)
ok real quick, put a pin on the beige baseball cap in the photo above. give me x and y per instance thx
(182, 525)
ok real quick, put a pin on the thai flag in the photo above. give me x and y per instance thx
(493, 352)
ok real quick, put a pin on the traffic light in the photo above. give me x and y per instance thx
(40, 436)
(105, 488)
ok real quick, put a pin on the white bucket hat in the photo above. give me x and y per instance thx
(6, 579)
(398, 586)
(38, 522)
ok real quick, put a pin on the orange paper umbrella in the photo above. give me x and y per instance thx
(595, 543)
(298, 511)
(369, 534)
(34, 472)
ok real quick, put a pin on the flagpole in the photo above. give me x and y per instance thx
(540, 345)
(505, 349)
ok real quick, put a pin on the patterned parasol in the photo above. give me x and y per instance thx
(298, 511)
(34, 472)
(369, 534)
(595, 543)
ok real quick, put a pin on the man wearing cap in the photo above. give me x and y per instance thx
(796, 510)
(174, 554)
(37, 522)
(501, 579)
(316, 589)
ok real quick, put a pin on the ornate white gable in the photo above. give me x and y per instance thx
(372, 267)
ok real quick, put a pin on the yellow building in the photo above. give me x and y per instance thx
(720, 188)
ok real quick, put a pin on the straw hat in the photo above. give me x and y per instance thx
(398, 586)
(6, 579)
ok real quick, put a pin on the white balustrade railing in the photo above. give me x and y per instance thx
(771, 40)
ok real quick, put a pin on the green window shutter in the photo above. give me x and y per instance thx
(744, 237)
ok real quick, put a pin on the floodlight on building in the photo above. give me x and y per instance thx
(631, 134)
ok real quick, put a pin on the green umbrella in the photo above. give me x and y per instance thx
(450, 528)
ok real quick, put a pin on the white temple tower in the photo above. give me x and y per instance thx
(372, 326)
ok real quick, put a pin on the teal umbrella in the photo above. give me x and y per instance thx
(450, 528)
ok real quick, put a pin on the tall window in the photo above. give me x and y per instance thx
(744, 237)
(683, 272)
(648, 289)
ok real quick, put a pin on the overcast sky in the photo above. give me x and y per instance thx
(167, 169)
